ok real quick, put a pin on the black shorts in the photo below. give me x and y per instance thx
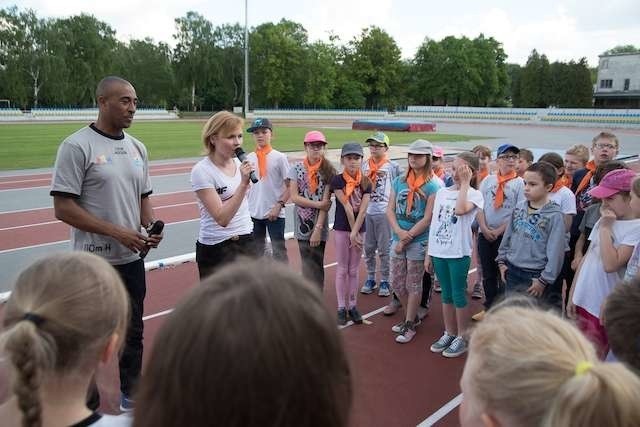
(211, 257)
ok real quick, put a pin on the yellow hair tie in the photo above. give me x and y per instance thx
(583, 367)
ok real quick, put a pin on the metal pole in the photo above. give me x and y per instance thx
(246, 58)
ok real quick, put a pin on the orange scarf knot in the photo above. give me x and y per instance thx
(482, 174)
(414, 183)
(563, 181)
(591, 167)
(374, 167)
(261, 153)
(502, 182)
(351, 183)
(313, 174)
(439, 172)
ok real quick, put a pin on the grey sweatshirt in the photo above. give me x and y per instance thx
(535, 241)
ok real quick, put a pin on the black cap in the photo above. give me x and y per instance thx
(260, 123)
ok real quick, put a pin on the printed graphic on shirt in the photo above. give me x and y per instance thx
(379, 192)
(447, 219)
(584, 199)
(307, 216)
(533, 226)
(417, 210)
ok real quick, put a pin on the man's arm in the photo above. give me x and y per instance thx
(69, 211)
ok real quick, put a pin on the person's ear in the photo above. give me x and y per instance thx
(110, 348)
(549, 187)
(489, 420)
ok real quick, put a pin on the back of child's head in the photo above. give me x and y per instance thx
(546, 171)
(533, 368)
(622, 321)
(606, 167)
(554, 159)
(473, 161)
(253, 345)
(62, 313)
(482, 151)
(580, 151)
(526, 154)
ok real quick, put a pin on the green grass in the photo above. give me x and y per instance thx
(25, 146)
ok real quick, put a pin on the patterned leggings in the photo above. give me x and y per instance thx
(406, 276)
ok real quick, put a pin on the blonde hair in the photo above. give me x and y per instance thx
(222, 121)
(62, 312)
(605, 135)
(580, 151)
(526, 369)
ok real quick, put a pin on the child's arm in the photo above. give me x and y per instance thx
(348, 209)
(362, 213)
(555, 257)
(297, 199)
(571, 307)
(316, 235)
(422, 225)
(612, 259)
(505, 247)
(391, 216)
(463, 205)
(579, 251)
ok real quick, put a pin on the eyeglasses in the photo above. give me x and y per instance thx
(605, 146)
(376, 145)
(315, 147)
(508, 157)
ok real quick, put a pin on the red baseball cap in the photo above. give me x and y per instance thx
(613, 183)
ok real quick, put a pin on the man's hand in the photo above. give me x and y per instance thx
(132, 239)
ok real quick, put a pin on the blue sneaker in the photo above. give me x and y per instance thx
(127, 404)
(368, 287)
(385, 289)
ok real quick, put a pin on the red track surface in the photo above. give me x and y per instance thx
(395, 385)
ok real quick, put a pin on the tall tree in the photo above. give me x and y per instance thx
(375, 64)
(429, 76)
(535, 85)
(514, 72)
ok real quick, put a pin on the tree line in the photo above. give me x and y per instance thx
(58, 62)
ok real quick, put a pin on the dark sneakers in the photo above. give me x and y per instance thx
(355, 315)
(342, 316)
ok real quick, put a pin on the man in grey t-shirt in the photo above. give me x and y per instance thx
(101, 188)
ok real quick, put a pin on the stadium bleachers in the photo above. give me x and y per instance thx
(77, 114)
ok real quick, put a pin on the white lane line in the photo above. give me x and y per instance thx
(442, 412)
(35, 224)
(20, 181)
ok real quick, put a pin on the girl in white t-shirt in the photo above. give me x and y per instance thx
(221, 183)
(633, 266)
(450, 248)
(612, 241)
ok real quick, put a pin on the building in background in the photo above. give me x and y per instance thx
(618, 84)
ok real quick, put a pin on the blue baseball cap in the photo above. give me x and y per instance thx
(507, 147)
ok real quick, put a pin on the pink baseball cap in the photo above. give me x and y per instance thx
(314, 136)
(437, 152)
(614, 182)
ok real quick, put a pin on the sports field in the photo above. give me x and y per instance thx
(25, 146)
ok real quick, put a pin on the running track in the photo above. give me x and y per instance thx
(395, 385)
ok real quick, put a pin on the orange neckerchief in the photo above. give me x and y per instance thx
(502, 182)
(591, 166)
(561, 182)
(482, 174)
(374, 167)
(312, 172)
(439, 172)
(261, 153)
(351, 183)
(414, 185)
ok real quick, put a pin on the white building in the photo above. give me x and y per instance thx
(618, 84)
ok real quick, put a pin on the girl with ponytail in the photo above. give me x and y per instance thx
(66, 315)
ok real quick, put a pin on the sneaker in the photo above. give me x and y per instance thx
(477, 291)
(127, 404)
(407, 333)
(437, 288)
(443, 343)
(385, 289)
(368, 287)
(457, 347)
(478, 316)
(342, 316)
(392, 307)
(398, 327)
(355, 316)
(422, 312)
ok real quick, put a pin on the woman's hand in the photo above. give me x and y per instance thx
(245, 170)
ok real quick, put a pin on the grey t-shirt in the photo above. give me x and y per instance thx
(108, 177)
(513, 194)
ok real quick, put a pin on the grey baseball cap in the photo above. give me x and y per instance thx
(420, 146)
(351, 148)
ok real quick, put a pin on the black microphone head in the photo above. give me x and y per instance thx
(239, 153)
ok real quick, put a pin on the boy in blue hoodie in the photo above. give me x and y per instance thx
(532, 249)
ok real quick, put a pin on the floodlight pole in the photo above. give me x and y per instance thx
(246, 58)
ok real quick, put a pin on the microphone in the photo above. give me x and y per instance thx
(240, 154)
(156, 228)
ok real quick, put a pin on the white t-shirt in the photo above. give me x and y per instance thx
(593, 284)
(566, 199)
(513, 195)
(265, 193)
(207, 175)
(450, 235)
(633, 264)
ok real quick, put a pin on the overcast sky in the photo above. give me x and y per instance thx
(561, 29)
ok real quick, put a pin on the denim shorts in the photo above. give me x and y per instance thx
(414, 251)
